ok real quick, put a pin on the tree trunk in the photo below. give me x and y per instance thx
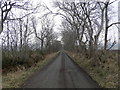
(96, 44)
(21, 36)
(106, 26)
(16, 40)
(7, 35)
(42, 43)
(1, 23)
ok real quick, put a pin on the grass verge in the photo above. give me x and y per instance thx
(16, 79)
(106, 74)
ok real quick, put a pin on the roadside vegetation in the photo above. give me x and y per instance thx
(105, 72)
(15, 79)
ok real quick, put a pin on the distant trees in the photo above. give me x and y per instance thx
(68, 36)
(45, 34)
(74, 17)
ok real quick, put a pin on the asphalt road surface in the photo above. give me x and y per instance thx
(61, 73)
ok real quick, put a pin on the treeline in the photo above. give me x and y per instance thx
(85, 26)
(26, 37)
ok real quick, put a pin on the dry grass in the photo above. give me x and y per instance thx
(106, 73)
(16, 79)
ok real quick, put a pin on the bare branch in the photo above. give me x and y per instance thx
(113, 24)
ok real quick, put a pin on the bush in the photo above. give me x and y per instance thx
(12, 59)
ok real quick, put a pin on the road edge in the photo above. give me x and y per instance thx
(51, 60)
(84, 71)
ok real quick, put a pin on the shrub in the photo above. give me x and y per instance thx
(13, 59)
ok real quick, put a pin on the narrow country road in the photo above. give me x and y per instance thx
(61, 73)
